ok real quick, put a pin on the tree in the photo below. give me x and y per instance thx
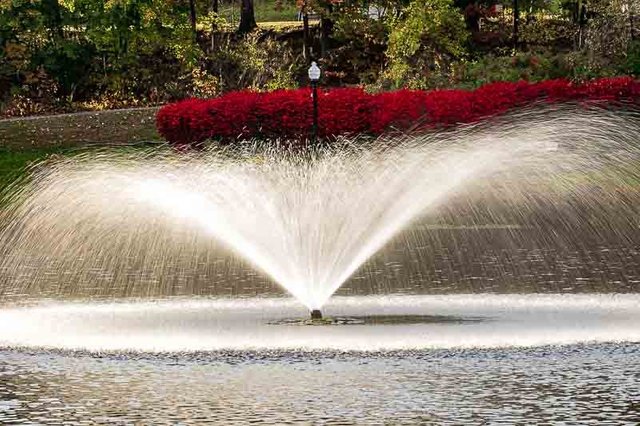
(192, 15)
(428, 37)
(303, 7)
(326, 27)
(247, 17)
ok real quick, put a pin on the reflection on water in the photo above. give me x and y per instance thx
(595, 384)
(423, 261)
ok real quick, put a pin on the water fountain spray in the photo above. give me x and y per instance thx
(306, 220)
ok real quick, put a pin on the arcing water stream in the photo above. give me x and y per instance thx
(308, 219)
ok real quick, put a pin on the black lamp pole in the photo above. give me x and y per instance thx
(314, 76)
(314, 86)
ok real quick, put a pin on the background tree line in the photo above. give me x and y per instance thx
(91, 54)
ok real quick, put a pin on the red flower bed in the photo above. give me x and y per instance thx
(288, 114)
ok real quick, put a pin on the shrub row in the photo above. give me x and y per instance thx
(288, 114)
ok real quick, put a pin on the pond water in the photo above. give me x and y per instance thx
(576, 384)
(425, 260)
(490, 325)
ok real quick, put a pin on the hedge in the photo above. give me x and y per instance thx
(288, 114)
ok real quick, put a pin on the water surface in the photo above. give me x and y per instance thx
(575, 384)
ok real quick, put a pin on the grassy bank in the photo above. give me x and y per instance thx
(25, 141)
(13, 163)
(16, 163)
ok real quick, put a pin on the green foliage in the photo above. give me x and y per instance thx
(129, 52)
(428, 37)
(77, 49)
(548, 32)
(68, 61)
(256, 64)
(362, 44)
(492, 68)
(632, 63)
(544, 6)
(608, 38)
(530, 67)
(580, 66)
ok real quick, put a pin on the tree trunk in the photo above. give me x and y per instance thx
(582, 22)
(326, 28)
(516, 25)
(305, 35)
(214, 9)
(247, 17)
(192, 15)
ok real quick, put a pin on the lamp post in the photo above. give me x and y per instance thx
(516, 25)
(314, 76)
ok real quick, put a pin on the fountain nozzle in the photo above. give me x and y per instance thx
(316, 314)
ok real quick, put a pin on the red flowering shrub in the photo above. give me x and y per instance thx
(174, 121)
(344, 112)
(232, 116)
(448, 107)
(288, 114)
(402, 109)
(284, 113)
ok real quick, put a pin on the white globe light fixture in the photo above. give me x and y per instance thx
(314, 72)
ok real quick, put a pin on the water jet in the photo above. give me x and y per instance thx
(124, 220)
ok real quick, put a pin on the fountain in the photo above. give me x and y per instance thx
(305, 218)
(484, 274)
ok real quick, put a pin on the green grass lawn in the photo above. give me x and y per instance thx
(265, 11)
(25, 141)
(14, 163)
